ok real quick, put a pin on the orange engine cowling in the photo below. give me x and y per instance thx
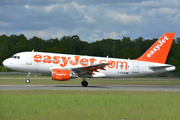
(63, 75)
(60, 75)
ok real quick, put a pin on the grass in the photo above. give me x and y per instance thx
(88, 105)
(19, 80)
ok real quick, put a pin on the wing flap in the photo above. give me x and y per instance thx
(89, 70)
(97, 66)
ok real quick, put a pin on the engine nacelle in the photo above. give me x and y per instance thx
(62, 75)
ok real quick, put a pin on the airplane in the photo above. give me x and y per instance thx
(67, 66)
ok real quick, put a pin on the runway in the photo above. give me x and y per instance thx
(92, 87)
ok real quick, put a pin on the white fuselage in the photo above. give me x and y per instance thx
(41, 62)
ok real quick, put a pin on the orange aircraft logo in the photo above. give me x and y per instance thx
(158, 46)
(77, 60)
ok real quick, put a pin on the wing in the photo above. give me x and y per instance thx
(89, 70)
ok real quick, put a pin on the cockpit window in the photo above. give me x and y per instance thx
(16, 57)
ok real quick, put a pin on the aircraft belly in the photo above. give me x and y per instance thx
(117, 73)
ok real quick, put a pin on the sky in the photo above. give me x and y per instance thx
(91, 20)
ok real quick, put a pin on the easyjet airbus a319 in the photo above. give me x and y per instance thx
(64, 66)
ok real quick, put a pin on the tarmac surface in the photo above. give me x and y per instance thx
(92, 87)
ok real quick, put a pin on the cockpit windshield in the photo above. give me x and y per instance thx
(16, 57)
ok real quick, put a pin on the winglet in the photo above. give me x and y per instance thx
(158, 52)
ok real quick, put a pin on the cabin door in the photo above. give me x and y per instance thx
(135, 67)
(29, 59)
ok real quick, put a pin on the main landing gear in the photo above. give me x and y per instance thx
(28, 80)
(84, 83)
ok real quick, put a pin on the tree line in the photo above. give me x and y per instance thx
(116, 48)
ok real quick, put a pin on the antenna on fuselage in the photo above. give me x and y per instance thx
(33, 50)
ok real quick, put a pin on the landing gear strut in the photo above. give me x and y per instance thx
(28, 80)
(84, 83)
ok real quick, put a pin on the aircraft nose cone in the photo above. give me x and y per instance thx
(6, 63)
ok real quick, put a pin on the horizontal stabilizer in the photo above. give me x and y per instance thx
(163, 67)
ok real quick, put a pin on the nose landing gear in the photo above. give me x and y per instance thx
(28, 80)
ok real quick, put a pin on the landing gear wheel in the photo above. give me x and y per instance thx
(27, 81)
(84, 83)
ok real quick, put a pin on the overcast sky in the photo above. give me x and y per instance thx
(91, 20)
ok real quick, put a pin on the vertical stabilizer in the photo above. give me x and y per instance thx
(158, 52)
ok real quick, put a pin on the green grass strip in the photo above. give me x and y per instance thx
(89, 105)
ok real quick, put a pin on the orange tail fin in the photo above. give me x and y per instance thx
(158, 52)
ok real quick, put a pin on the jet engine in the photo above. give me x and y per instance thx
(62, 75)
